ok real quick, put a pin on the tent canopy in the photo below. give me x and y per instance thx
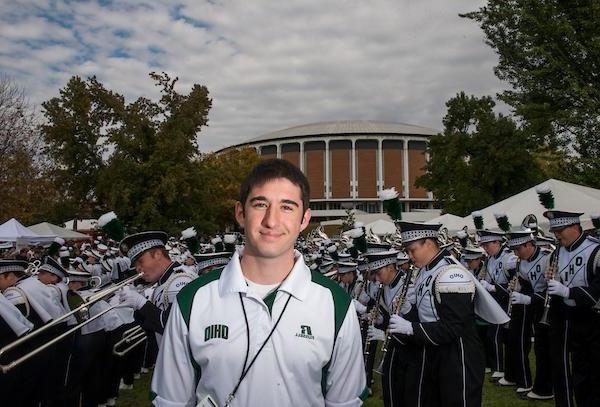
(13, 231)
(46, 228)
(567, 197)
(451, 222)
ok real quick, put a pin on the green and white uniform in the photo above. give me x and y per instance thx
(313, 358)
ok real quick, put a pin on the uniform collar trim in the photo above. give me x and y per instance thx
(168, 272)
(436, 259)
(296, 284)
(576, 243)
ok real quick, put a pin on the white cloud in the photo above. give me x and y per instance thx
(267, 65)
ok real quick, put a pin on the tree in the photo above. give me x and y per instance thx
(480, 158)
(151, 180)
(550, 55)
(75, 131)
(222, 174)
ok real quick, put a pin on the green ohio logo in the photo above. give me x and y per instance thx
(305, 332)
(216, 331)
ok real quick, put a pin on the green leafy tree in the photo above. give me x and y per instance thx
(75, 132)
(222, 175)
(481, 157)
(549, 53)
(152, 180)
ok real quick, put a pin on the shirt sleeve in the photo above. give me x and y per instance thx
(346, 381)
(174, 380)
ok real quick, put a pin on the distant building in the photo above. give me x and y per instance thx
(348, 162)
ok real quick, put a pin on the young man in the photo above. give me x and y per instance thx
(500, 268)
(574, 324)
(263, 331)
(149, 257)
(527, 307)
(450, 355)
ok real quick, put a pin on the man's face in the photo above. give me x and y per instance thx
(386, 274)
(567, 235)
(7, 280)
(151, 264)
(474, 264)
(421, 252)
(524, 251)
(47, 278)
(272, 218)
(347, 278)
(491, 248)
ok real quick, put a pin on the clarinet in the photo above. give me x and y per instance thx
(399, 302)
(552, 272)
(511, 288)
(373, 314)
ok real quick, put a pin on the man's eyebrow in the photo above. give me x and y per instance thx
(285, 201)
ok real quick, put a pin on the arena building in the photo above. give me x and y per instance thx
(348, 162)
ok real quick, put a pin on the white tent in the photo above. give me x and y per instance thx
(381, 227)
(567, 197)
(13, 231)
(46, 228)
(451, 222)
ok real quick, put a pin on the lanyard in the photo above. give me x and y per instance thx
(246, 369)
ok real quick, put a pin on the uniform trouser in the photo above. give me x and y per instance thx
(370, 362)
(85, 371)
(495, 342)
(482, 328)
(518, 345)
(111, 376)
(400, 375)
(56, 370)
(559, 338)
(585, 359)
(452, 374)
(542, 385)
(151, 351)
(16, 387)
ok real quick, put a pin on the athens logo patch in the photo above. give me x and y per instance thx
(305, 332)
(216, 331)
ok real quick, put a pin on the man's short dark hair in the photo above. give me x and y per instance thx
(271, 169)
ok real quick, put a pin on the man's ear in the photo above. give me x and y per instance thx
(305, 220)
(239, 214)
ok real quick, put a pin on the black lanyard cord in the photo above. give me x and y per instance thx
(246, 369)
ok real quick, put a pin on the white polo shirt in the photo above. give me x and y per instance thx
(313, 358)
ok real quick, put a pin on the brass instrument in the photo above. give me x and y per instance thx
(373, 314)
(399, 302)
(82, 311)
(552, 269)
(135, 335)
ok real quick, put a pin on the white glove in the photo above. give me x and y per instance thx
(360, 308)
(374, 334)
(557, 288)
(129, 297)
(399, 325)
(490, 287)
(518, 298)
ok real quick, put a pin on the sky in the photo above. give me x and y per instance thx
(268, 65)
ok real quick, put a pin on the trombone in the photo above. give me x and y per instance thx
(136, 335)
(82, 310)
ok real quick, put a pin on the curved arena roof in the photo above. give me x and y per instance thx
(363, 127)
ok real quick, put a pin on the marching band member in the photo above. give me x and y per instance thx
(500, 268)
(148, 255)
(574, 326)
(528, 304)
(451, 361)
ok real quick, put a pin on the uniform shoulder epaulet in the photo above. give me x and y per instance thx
(454, 278)
(593, 239)
(17, 297)
(177, 281)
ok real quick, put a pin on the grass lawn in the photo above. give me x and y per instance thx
(493, 396)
